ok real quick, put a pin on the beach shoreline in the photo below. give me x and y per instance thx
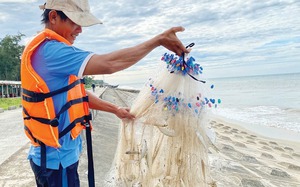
(245, 156)
(274, 133)
(253, 156)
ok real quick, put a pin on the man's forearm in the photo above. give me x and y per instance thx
(124, 58)
(99, 104)
(120, 59)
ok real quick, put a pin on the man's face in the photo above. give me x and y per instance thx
(66, 28)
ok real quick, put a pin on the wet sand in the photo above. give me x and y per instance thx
(244, 157)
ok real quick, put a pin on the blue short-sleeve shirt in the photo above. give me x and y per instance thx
(55, 61)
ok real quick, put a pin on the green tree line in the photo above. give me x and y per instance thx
(10, 57)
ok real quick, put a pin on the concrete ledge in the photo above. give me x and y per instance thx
(1, 110)
(129, 90)
(12, 107)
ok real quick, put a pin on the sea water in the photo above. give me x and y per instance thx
(269, 100)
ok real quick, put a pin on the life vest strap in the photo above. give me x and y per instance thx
(43, 149)
(29, 132)
(70, 103)
(83, 120)
(31, 96)
(91, 175)
(54, 122)
(43, 157)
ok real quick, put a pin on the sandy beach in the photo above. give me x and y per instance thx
(243, 157)
(246, 158)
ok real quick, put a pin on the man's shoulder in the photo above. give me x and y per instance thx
(54, 43)
(59, 46)
(56, 48)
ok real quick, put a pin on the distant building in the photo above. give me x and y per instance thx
(10, 89)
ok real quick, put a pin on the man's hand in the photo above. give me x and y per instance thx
(169, 40)
(123, 113)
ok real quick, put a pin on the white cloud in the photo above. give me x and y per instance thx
(236, 36)
(18, 1)
(3, 17)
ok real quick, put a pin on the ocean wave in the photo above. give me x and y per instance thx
(271, 116)
(293, 110)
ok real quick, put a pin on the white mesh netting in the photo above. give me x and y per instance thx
(166, 145)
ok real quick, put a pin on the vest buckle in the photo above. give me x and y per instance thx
(54, 122)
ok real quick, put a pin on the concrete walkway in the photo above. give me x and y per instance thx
(12, 135)
(14, 167)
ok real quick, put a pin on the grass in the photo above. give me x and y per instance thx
(7, 102)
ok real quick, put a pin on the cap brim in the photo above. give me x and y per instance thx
(83, 19)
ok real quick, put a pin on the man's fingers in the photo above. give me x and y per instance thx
(129, 116)
(181, 47)
(172, 42)
(179, 51)
(178, 29)
(132, 116)
(126, 114)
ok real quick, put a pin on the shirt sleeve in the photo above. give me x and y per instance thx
(83, 65)
(65, 60)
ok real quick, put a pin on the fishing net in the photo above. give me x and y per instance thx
(167, 143)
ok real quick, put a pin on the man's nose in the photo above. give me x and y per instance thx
(79, 29)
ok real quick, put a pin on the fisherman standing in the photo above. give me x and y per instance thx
(55, 103)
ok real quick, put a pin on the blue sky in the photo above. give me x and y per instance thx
(233, 38)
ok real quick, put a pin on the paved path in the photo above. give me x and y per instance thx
(14, 167)
(12, 135)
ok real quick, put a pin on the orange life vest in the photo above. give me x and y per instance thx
(40, 119)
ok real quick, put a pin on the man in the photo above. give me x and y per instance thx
(51, 70)
(93, 87)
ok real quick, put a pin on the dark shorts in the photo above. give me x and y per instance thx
(56, 178)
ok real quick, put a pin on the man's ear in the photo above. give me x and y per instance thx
(53, 16)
